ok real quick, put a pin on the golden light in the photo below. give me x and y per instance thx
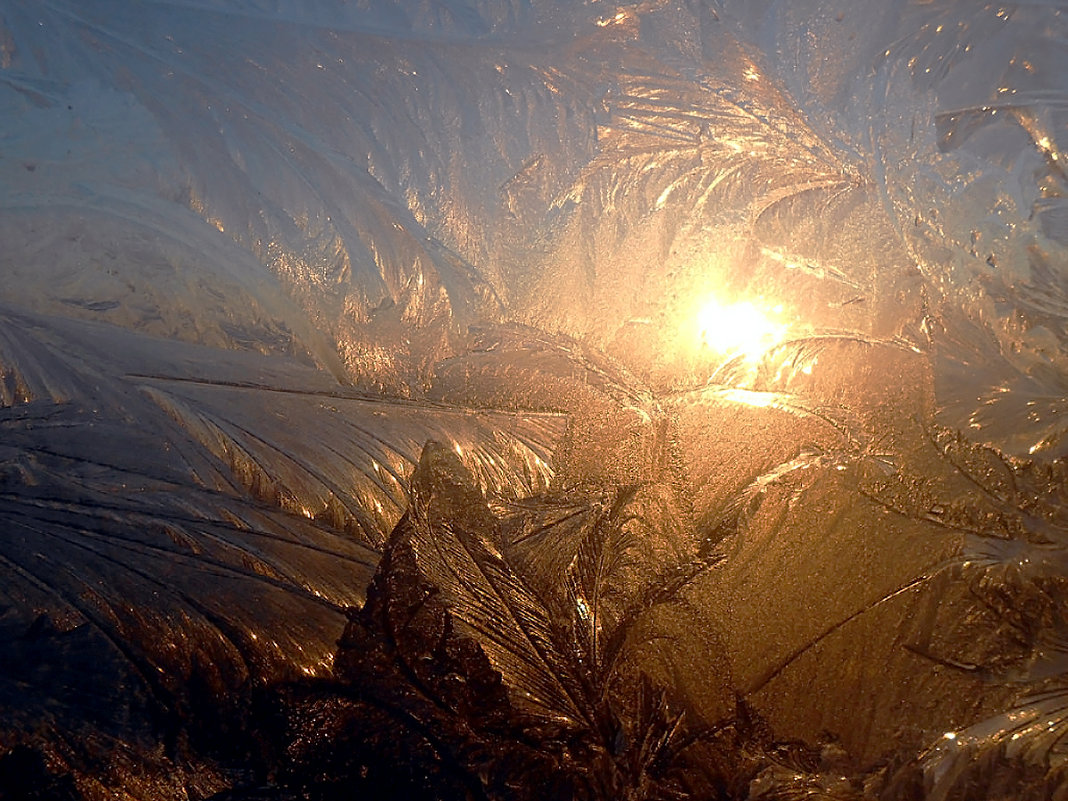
(740, 328)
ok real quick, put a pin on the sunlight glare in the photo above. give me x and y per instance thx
(738, 328)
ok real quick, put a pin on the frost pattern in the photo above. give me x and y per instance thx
(259, 253)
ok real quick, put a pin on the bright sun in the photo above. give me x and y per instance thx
(738, 328)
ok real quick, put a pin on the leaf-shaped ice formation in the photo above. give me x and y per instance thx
(456, 540)
(686, 169)
(322, 182)
(465, 655)
(602, 562)
(515, 365)
(417, 704)
(795, 527)
(93, 464)
(289, 434)
(992, 247)
(704, 140)
(139, 604)
(353, 471)
(616, 431)
(336, 222)
(1031, 734)
(1013, 560)
(163, 526)
(945, 500)
(735, 442)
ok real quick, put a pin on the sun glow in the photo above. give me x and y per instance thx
(739, 328)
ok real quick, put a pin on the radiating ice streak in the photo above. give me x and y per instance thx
(1034, 730)
(1016, 560)
(817, 270)
(111, 503)
(452, 534)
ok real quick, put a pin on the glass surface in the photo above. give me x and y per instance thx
(533, 398)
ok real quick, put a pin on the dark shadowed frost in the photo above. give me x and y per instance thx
(466, 676)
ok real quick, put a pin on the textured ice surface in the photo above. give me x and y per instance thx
(255, 254)
(183, 524)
